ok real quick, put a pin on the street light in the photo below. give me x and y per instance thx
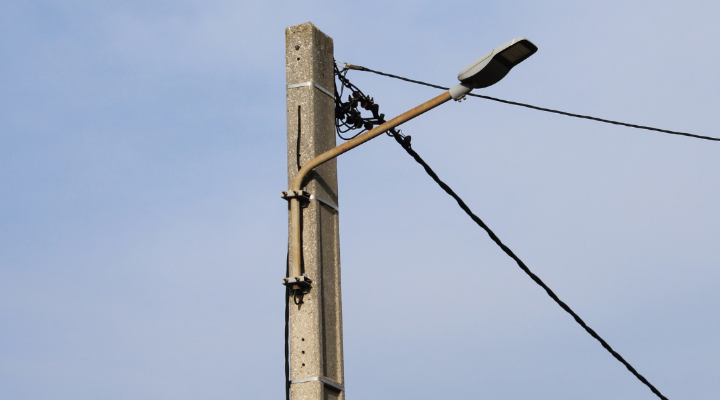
(485, 71)
(493, 66)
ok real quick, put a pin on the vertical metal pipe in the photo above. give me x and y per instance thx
(295, 232)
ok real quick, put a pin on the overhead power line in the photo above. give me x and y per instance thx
(348, 118)
(607, 121)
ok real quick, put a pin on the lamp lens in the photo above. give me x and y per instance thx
(516, 53)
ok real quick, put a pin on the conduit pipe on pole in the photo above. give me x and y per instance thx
(296, 214)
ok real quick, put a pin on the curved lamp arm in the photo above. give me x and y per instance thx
(296, 214)
(485, 71)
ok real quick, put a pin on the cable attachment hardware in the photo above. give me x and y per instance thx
(296, 194)
(302, 283)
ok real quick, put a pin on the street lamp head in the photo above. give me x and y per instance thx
(493, 66)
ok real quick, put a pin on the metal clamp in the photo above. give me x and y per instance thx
(313, 84)
(299, 282)
(303, 195)
(296, 194)
(322, 379)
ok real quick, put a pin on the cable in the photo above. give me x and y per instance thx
(404, 141)
(297, 151)
(359, 68)
(607, 121)
(287, 330)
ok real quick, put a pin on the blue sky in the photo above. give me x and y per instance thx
(142, 236)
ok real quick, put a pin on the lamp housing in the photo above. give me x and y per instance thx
(493, 66)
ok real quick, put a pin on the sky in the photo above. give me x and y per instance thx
(143, 237)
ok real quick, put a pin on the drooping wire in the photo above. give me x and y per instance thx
(514, 103)
(405, 141)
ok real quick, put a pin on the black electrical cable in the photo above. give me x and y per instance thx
(297, 151)
(287, 330)
(607, 121)
(404, 141)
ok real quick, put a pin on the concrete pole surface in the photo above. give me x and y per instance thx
(316, 351)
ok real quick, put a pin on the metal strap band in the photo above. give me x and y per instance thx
(311, 83)
(326, 202)
(321, 379)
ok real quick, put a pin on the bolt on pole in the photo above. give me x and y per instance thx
(315, 324)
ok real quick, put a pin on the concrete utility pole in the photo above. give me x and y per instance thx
(315, 320)
(316, 350)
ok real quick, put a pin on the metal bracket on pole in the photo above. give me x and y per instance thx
(326, 202)
(313, 84)
(299, 282)
(296, 194)
(322, 379)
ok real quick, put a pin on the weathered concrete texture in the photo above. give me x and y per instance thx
(316, 325)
